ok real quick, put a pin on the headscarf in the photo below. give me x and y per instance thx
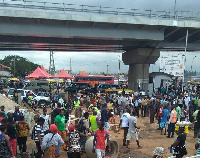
(53, 128)
(71, 128)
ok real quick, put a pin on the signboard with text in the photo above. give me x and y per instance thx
(172, 63)
(142, 81)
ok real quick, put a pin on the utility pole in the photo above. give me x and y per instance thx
(184, 56)
(119, 71)
(107, 69)
(51, 64)
(70, 66)
(192, 62)
(175, 8)
(14, 65)
(191, 67)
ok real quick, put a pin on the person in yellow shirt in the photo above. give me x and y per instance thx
(110, 105)
(22, 133)
(76, 103)
(144, 107)
(94, 122)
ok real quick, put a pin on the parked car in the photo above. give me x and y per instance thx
(43, 100)
(21, 91)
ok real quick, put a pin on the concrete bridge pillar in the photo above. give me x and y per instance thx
(139, 61)
(138, 76)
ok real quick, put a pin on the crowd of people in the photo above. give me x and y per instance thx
(54, 131)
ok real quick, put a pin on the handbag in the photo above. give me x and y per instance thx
(47, 149)
(181, 150)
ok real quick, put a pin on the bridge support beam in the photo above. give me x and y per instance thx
(139, 61)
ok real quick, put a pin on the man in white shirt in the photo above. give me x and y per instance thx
(46, 123)
(132, 132)
(124, 122)
(187, 100)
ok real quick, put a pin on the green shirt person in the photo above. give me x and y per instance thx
(195, 115)
(178, 110)
(60, 122)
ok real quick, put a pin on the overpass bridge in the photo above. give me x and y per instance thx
(141, 34)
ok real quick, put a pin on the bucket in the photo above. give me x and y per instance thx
(186, 129)
(176, 128)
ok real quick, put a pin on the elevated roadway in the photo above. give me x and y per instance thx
(30, 25)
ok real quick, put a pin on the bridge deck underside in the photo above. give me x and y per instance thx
(19, 34)
(8, 42)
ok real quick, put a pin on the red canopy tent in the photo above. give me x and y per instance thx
(44, 70)
(38, 73)
(62, 74)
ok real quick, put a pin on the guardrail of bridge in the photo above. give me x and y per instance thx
(63, 7)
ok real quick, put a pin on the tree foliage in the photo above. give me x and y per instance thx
(189, 73)
(20, 67)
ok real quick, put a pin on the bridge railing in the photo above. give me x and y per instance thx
(64, 8)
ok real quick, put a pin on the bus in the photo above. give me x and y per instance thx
(94, 80)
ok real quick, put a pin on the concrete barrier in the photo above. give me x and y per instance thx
(113, 145)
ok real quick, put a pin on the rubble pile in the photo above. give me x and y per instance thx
(9, 104)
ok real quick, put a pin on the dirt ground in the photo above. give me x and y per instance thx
(149, 138)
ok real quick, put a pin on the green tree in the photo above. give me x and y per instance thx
(19, 66)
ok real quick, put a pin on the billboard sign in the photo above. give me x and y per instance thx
(172, 63)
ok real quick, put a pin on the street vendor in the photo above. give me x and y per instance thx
(179, 143)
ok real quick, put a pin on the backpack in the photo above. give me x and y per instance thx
(81, 127)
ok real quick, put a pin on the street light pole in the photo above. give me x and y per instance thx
(184, 59)
(119, 71)
(192, 62)
(107, 69)
(14, 65)
(175, 8)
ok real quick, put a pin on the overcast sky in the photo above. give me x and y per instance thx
(93, 62)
